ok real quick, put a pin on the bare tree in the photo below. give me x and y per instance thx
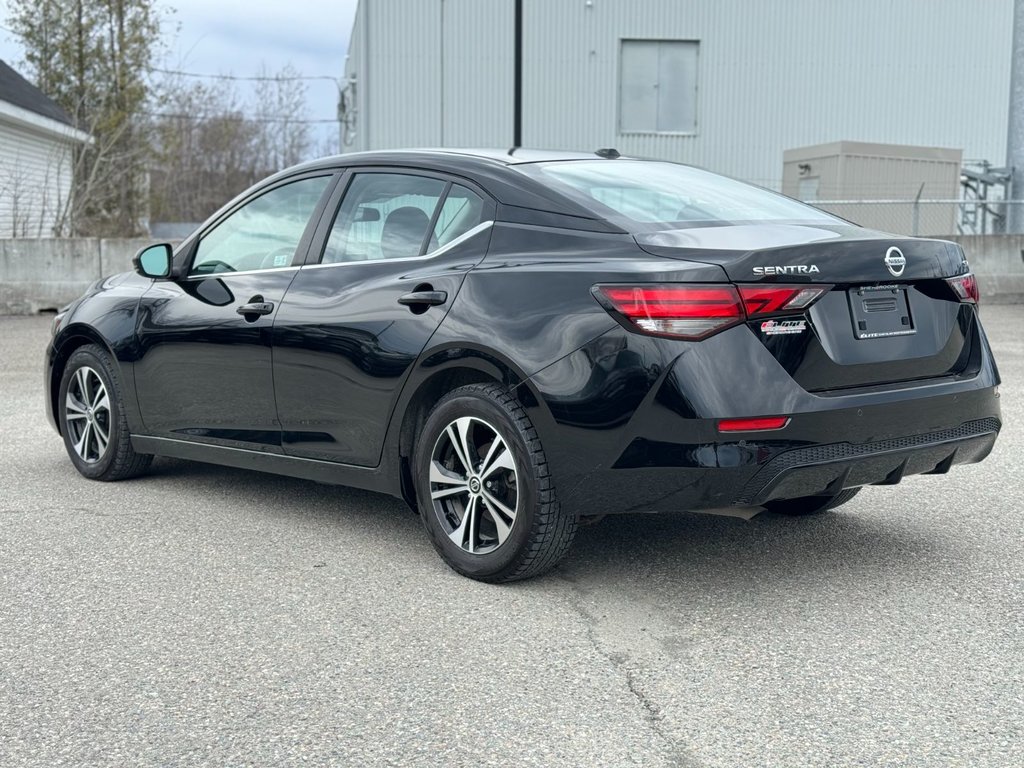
(209, 145)
(280, 110)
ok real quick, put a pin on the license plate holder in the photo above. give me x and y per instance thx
(880, 311)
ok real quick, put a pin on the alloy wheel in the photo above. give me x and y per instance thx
(474, 485)
(87, 415)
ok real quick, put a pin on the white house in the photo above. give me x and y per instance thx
(36, 141)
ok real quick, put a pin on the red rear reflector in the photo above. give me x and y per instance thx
(687, 311)
(965, 287)
(753, 425)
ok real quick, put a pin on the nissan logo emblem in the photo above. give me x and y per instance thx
(895, 261)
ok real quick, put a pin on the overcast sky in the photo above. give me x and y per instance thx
(222, 37)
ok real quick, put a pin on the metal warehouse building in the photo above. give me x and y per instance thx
(725, 84)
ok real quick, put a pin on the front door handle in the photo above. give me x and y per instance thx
(256, 308)
(423, 298)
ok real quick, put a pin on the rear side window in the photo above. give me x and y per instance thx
(652, 195)
(384, 216)
(462, 210)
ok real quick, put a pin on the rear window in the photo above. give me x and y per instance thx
(655, 195)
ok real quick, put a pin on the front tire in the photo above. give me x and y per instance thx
(92, 420)
(484, 489)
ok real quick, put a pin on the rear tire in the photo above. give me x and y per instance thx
(810, 505)
(498, 519)
(90, 406)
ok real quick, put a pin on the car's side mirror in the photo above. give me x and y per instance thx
(153, 261)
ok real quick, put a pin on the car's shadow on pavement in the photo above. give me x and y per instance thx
(768, 547)
(674, 547)
(283, 496)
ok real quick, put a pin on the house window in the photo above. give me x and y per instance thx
(658, 86)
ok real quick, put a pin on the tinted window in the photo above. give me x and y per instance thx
(462, 210)
(262, 234)
(384, 216)
(657, 195)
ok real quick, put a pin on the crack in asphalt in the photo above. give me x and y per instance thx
(677, 754)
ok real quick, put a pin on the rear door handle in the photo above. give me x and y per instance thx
(256, 308)
(428, 298)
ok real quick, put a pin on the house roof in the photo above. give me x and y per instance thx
(16, 90)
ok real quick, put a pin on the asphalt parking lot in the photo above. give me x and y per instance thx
(209, 616)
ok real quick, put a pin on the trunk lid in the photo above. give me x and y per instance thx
(838, 255)
(889, 317)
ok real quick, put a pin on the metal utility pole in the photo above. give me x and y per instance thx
(1015, 126)
(517, 77)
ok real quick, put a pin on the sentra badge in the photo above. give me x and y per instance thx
(788, 269)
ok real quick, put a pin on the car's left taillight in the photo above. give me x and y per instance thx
(697, 311)
(685, 311)
(965, 287)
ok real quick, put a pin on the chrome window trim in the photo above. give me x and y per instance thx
(240, 272)
(469, 233)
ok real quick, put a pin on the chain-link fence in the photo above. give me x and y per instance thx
(927, 218)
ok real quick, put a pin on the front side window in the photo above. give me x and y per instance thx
(262, 234)
(385, 216)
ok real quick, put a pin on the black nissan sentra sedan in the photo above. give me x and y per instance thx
(517, 341)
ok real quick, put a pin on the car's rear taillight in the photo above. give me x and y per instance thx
(780, 299)
(965, 287)
(698, 311)
(686, 311)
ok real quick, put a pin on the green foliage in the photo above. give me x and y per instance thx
(94, 59)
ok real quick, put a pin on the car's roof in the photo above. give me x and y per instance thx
(482, 156)
(490, 168)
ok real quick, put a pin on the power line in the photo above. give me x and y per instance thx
(239, 117)
(245, 78)
(249, 78)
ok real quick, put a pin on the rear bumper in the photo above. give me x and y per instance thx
(643, 437)
(667, 477)
(828, 469)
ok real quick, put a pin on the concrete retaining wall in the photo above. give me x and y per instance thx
(998, 261)
(39, 275)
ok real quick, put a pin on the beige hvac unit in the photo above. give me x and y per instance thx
(889, 187)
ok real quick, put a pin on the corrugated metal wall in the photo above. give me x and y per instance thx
(355, 134)
(478, 78)
(432, 73)
(771, 75)
(404, 72)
